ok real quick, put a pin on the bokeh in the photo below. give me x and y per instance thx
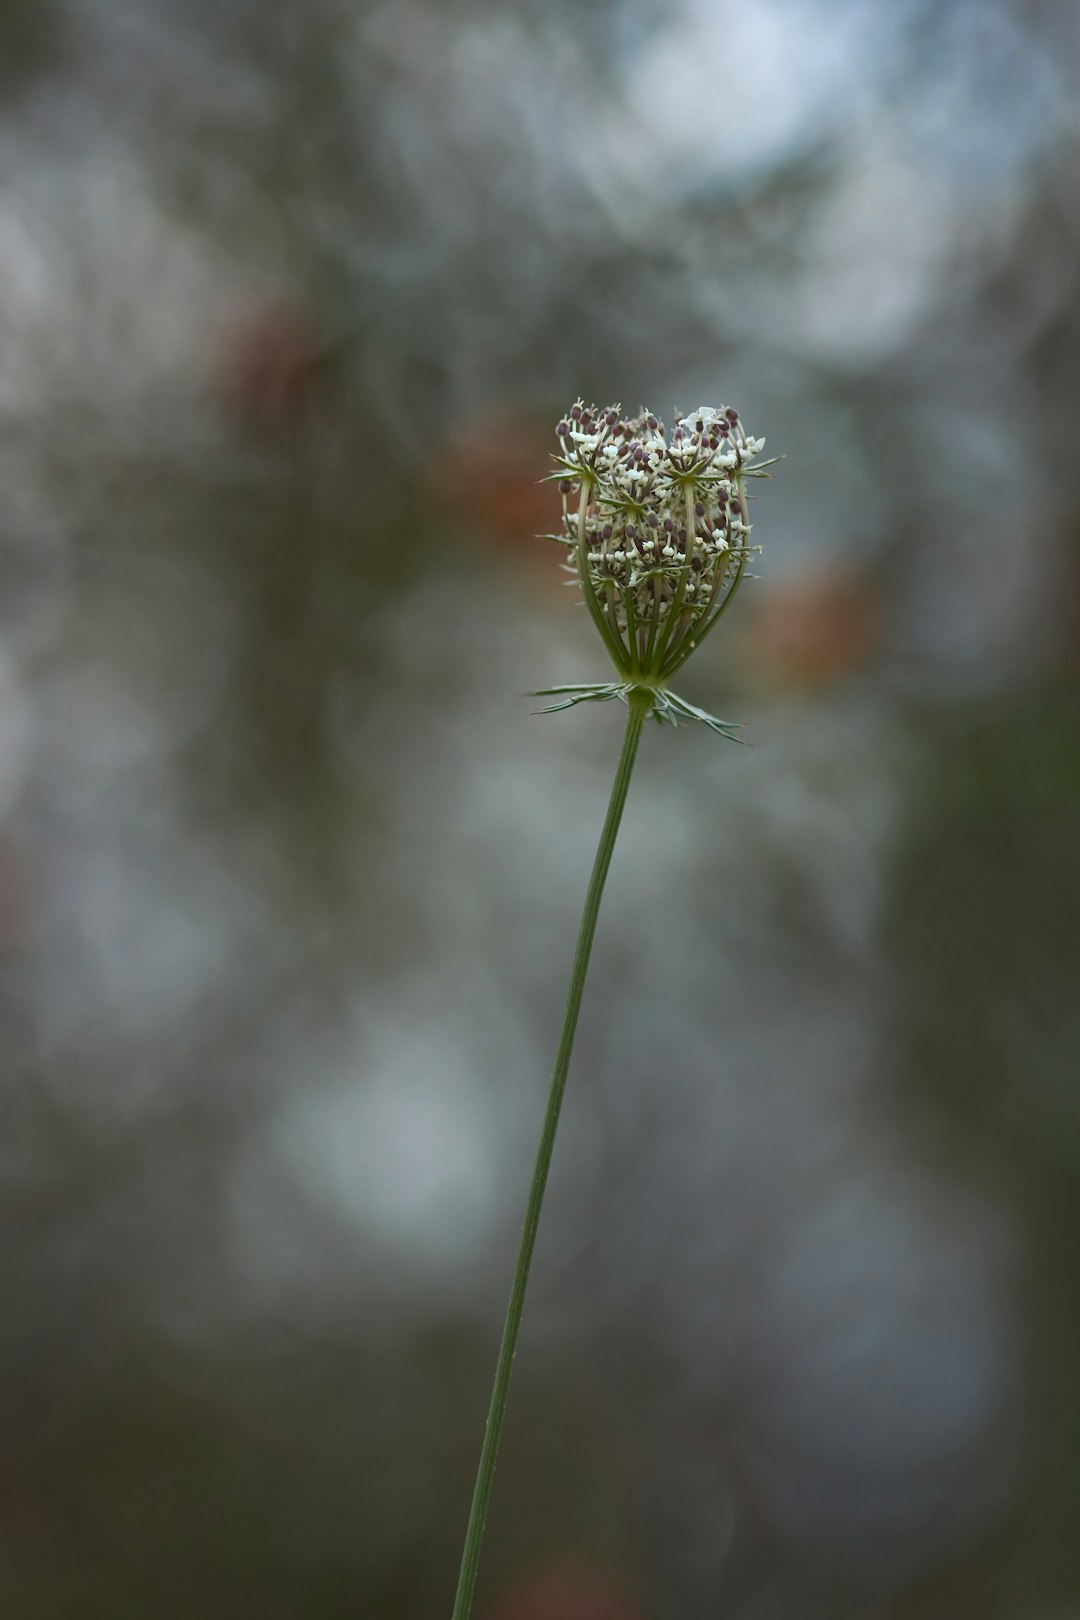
(291, 296)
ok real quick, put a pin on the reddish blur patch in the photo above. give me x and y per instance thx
(570, 1593)
(266, 362)
(814, 630)
(492, 471)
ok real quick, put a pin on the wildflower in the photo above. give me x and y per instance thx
(657, 536)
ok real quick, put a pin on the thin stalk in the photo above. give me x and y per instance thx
(680, 654)
(664, 642)
(631, 628)
(637, 709)
(611, 641)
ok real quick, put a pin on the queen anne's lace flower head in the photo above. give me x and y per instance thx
(657, 530)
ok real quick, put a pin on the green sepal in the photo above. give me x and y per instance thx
(599, 693)
(666, 708)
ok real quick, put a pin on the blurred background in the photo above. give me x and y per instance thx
(290, 299)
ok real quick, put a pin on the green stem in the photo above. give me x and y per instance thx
(638, 708)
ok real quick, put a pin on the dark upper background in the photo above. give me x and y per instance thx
(290, 297)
